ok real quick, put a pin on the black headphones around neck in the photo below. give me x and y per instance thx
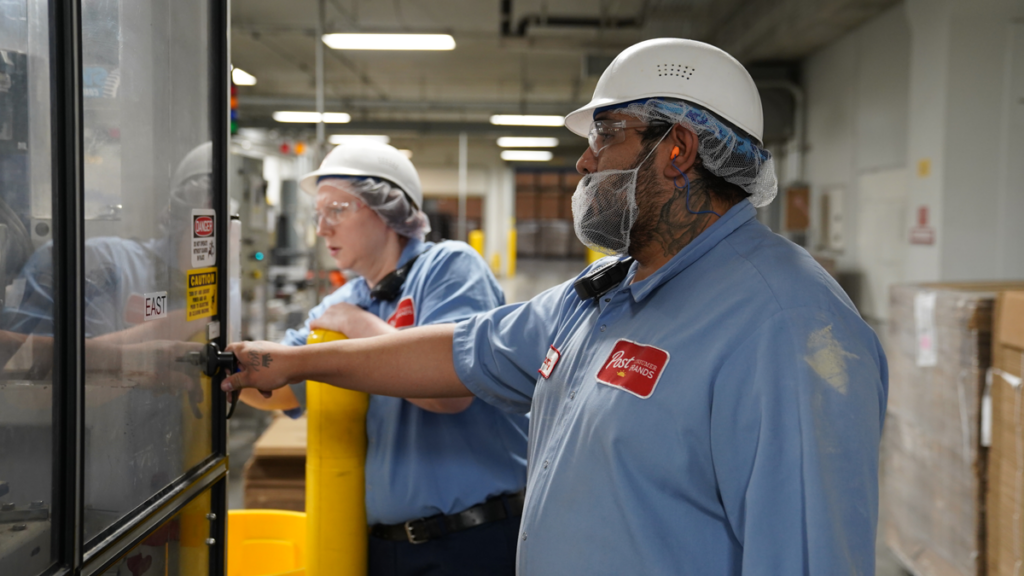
(390, 286)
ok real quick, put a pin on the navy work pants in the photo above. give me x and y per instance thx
(485, 550)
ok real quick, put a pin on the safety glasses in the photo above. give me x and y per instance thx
(333, 213)
(604, 133)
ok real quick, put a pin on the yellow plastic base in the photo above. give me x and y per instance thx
(335, 481)
(266, 543)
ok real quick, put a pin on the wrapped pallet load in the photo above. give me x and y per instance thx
(1005, 496)
(934, 466)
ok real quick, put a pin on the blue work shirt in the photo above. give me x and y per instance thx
(722, 416)
(420, 463)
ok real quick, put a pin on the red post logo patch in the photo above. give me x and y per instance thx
(405, 314)
(636, 368)
(549, 362)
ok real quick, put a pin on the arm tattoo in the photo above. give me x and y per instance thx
(254, 360)
(267, 360)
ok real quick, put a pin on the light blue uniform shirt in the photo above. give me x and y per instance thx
(420, 463)
(755, 453)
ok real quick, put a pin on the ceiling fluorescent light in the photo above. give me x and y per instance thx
(242, 78)
(526, 155)
(338, 139)
(389, 41)
(526, 142)
(526, 120)
(312, 117)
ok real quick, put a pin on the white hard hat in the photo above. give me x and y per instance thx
(676, 68)
(198, 162)
(371, 159)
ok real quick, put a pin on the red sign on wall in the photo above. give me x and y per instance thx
(922, 233)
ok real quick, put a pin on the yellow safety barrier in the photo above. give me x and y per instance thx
(266, 543)
(335, 481)
(476, 240)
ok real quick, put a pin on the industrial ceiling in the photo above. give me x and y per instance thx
(512, 56)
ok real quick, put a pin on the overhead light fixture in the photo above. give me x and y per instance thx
(526, 142)
(242, 78)
(389, 41)
(526, 120)
(338, 139)
(526, 155)
(406, 152)
(312, 117)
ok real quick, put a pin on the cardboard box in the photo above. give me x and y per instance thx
(549, 180)
(527, 237)
(553, 241)
(549, 205)
(1005, 495)
(526, 205)
(570, 180)
(275, 475)
(933, 466)
(526, 181)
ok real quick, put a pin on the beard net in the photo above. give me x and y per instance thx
(604, 207)
(731, 156)
(604, 210)
(387, 200)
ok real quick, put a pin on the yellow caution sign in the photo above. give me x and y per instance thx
(201, 301)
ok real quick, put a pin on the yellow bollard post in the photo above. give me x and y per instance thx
(496, 264)
(476, 240)
(512, 252)
(335, 483)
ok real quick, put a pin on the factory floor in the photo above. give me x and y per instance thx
(532, 277)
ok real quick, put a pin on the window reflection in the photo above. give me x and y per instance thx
(26, 395)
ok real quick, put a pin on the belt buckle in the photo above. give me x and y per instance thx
(409, 533)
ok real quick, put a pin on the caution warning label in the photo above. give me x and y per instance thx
(202, 293)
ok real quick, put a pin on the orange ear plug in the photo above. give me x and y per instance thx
(675, 152)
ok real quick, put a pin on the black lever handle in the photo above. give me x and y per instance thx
(211, 360)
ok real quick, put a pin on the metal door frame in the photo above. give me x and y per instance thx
(74, 557)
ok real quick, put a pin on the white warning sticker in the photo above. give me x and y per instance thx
(154, 305)
(204, 237)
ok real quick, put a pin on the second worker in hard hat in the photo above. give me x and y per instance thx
(444, 477)
(706, 401)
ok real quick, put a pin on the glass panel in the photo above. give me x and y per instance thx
(148, 223)
(26, 274)
(178, 548)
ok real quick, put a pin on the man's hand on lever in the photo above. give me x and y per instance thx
(414, 363)
(262, 366)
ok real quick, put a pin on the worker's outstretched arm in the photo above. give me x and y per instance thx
(414, 363)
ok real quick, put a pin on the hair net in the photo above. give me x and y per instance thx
(387, 200)
(725, 153)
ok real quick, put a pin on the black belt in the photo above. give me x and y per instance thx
(424, 529)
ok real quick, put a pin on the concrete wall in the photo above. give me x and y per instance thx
(857, 114)
(926, 100)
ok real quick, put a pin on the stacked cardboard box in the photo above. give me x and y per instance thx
(1005, 496)
(275, 475)
(934, 466)
(544, 214)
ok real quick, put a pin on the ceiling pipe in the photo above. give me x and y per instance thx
(798, 143)
(563, 21)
